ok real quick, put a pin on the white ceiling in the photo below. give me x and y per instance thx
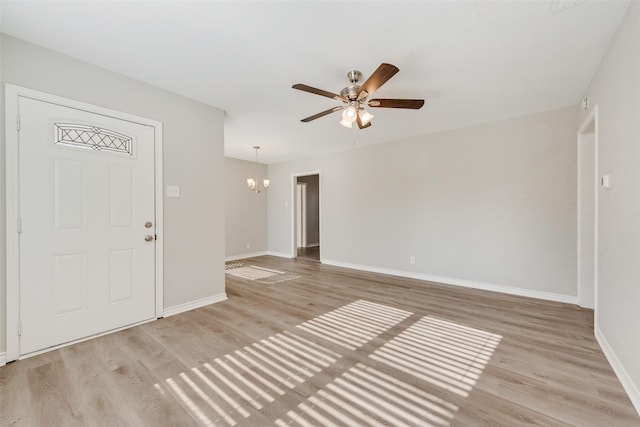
(473, 62)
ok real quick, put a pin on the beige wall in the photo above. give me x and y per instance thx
(193, 159)
(616, 90)
(245, 211)
(493, 204)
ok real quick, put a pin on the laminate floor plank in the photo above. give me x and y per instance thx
(148, 397)
(15, 399)
(54, 397)
(187, 341)
(105, 405)
(331, 347)
(86, 360)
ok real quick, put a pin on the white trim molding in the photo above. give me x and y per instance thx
(244, 256)
(592, 118)
(279, 254)
(549, 296)
(625, 379)
(3, 359)
(192, 305)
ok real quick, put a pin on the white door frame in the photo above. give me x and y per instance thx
(592, 118)
(294, 188)
(12, 95)
(301, 214)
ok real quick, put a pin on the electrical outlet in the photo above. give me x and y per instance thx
(412, 260)
(248, 245)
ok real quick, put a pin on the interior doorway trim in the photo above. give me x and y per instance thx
(294, 223)
(301, 214)
(12, 95)
(590, 120)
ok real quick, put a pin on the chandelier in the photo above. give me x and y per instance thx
(253, 182)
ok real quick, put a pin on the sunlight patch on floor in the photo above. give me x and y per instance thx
(446, 354)
(354, 324)
(363, 395)
(252, 272)
(251, 377)
(440, 357)
(258, 274)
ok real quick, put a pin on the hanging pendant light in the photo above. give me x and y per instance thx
(253, 182)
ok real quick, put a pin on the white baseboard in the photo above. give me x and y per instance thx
(549, 296)
(279, 254)
(313, 245)
(243, 256)
(192, 305)
(3, 359)
(627, 383)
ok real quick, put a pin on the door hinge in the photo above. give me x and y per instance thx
(19, 225)
(19, 327)
(18, 123)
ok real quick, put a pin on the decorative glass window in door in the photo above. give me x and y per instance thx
(92, 137)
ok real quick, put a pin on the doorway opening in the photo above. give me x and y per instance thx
(306, 207)
(587, 264)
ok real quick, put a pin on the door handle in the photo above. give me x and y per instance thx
(148, 238)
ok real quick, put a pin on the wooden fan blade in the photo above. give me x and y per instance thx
(379, 77)
(414, 104)
(324, 113)
(316, 91)
(360, 125)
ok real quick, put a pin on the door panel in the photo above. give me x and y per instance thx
(86, 190)
(121, 278)
(69, 283)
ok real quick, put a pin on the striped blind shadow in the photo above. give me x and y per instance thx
(259, 274)
(418, 377)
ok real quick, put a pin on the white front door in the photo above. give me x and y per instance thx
(86, 196)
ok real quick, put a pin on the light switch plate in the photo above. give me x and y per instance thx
(173, 191)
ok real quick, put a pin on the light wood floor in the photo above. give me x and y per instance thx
(309, 253)
(334, 347)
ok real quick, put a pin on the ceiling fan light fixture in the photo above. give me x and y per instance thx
(346, 124)
(365, 116)
(349, 114)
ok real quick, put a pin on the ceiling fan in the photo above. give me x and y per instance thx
(355, 97)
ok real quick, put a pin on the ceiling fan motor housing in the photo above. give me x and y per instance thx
(354, 76)
(350, 92)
